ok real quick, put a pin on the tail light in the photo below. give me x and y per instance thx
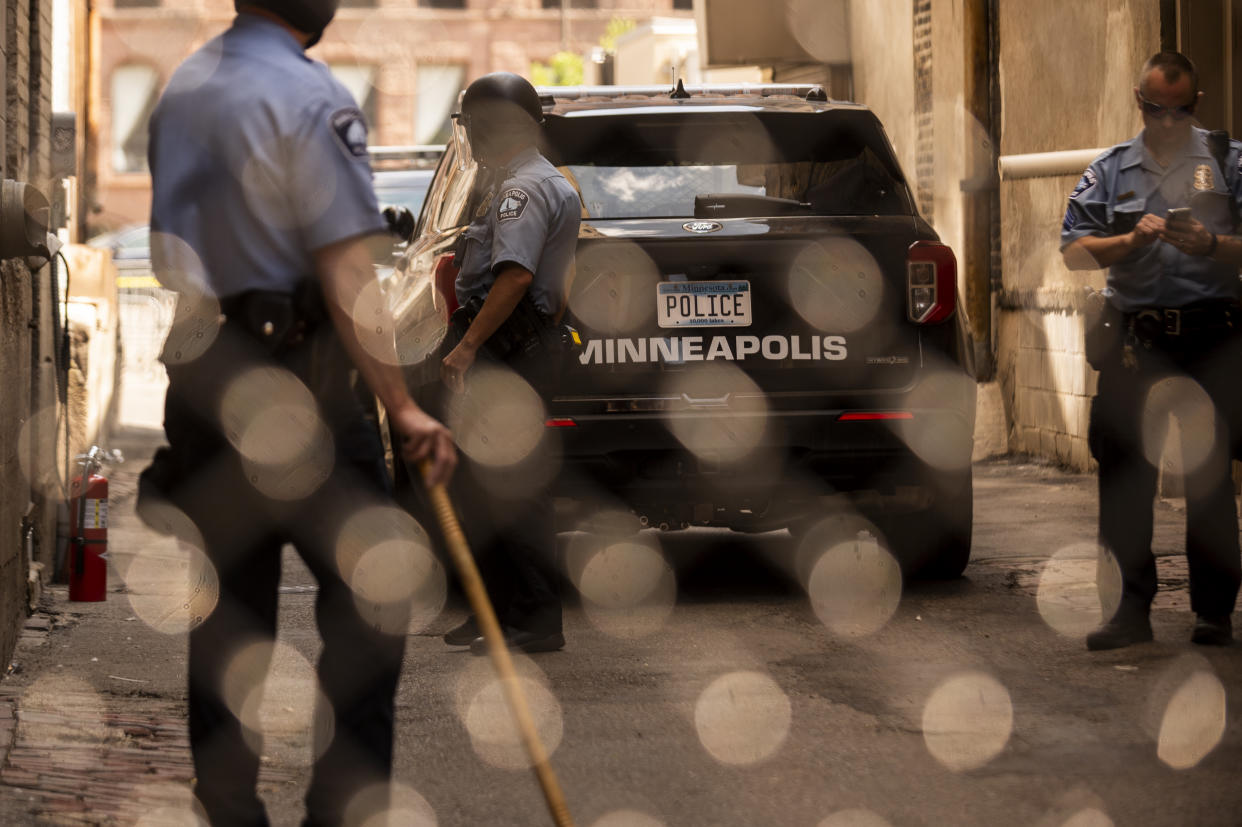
(931, 282)
(446, 278)
(874, 416)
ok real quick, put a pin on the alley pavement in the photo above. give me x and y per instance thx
(92, 710)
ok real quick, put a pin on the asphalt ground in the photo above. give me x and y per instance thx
(747, 686)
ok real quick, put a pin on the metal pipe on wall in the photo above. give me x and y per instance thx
(1046, 164)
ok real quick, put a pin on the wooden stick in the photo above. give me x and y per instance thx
(459, 550)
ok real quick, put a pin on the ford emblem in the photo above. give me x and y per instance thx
(702, 226)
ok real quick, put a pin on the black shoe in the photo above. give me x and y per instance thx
(464, 634)
(1212, 631)
(1122, 630)
(523, 641)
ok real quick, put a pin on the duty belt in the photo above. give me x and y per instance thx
(1153, 322)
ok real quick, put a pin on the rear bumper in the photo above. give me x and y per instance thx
(800, 461)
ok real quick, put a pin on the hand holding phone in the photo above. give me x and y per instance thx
(1178, 215)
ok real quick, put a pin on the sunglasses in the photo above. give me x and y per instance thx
(1156, 110)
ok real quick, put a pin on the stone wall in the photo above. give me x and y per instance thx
(1066, 71)
(29, 490)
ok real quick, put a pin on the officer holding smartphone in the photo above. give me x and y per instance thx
(1160, 212)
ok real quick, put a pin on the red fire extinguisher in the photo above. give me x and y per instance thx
(88, 532)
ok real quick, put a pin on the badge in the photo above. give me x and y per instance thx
(1085, 183)
(512, 204)
(351, 131)
(1203, 178)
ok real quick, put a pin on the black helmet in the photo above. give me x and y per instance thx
(502, 87)
(310, 16)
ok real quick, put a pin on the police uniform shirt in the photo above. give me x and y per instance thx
(531, 219)
(258, 158)
(1123, 184)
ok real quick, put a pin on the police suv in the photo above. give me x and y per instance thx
(768, 332)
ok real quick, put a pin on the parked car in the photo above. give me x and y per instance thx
(770, 330)
(130, 246)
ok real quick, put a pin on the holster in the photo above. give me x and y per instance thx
(1103, 329)
(279, 320)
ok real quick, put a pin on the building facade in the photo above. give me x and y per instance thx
(30, 416)
(963, 87)
(404, 60)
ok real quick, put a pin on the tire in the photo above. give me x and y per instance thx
(934, 544)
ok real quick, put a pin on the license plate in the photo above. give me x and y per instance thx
(703, 303)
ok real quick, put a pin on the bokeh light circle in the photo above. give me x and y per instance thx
(272, 420)
(373, 323)
(274, 691)
(1193, 722)
(382, 805)
(498, 420)
(967, 721)
(386, 558)
(728, 412)
(854, 818)
(42, 427)
(836, 285)
(1079, 586)
(1088, 817)
(742, 718)
(817, 29)
(943, 442)
(1191, 408)
(166, 804)
(61, 710)
(627, 818)
(493, 732)
(614, 287)
(855, 587)
(285, 202)
(170, 583)
(628, 589)
(196, 317)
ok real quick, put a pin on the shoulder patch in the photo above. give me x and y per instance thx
(351, 131)
(512, 204)
(1085, 183)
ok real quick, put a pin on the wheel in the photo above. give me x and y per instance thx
(934, 543)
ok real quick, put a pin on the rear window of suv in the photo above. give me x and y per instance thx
(688, 164)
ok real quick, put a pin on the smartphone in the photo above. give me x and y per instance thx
(1178, 215)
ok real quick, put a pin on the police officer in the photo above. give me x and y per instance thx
(1174, 287)
(261, 215)
(514, 267)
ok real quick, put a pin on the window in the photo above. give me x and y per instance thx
(723, 165)
(442, 4)
(135, 4)
(438, 88)
(135, 90)
(683, 5)
(360, 81)
(572, 4)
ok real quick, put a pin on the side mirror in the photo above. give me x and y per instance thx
(400, 222)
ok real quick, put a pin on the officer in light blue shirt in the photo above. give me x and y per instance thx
(262, 211)
(530, 220)
(1160, 212)
(515, 262)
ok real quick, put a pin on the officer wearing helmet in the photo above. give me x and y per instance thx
(262, 217)
(514, 266)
